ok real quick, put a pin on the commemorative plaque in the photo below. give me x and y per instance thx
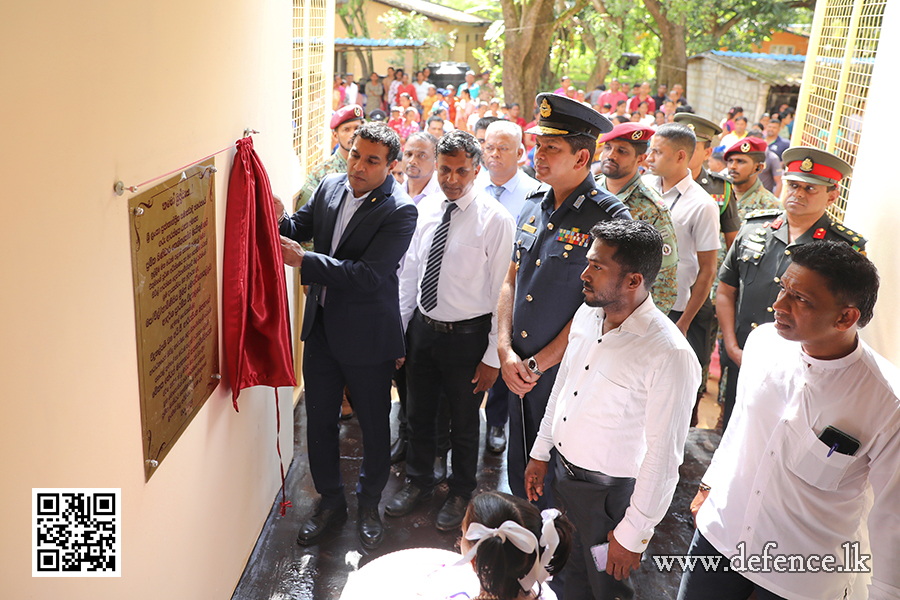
(173, 249)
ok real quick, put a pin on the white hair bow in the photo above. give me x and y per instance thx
(522, 539)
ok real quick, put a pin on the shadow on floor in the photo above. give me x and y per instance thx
(280, 569)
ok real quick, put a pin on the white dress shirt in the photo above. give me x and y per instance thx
(772, 478)
(432, 187)
(514, 191)
(476, 259)
(349, 205)
(695, 216)
(621, 405)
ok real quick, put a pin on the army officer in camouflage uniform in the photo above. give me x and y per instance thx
(344, 124)
(624, 149)
(750, 278)
(543, 287)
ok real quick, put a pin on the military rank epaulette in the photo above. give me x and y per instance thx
(538, 192)
(763, 212)
(853, 238)
(716, 175)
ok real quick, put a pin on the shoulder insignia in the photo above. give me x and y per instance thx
(538, 192)
(763, 213)
(819, 234)
(854, 238)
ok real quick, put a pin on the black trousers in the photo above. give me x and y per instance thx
(370, 388)
(443, 414)
(496, 410)
(730, 371)
(525, 416)
(720, 584)
(443, 363)
(594, 510)
(698, 335)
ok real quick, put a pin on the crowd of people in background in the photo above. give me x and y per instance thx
(574, 275)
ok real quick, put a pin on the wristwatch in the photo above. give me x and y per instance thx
(704, 487)
(531, 363)
(284, 215)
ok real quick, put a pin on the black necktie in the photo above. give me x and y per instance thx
(435, 257)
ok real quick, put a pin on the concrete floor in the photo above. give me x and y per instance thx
(280, 569)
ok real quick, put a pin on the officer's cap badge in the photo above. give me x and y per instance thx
(745, 147)
(637, 135)
(545, 108)
(807, 165)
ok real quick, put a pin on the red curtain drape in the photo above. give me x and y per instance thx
(255, 322)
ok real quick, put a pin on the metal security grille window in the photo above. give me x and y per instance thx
(311, 97)
(836, 80)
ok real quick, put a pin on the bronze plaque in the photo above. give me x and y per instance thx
(173, 250)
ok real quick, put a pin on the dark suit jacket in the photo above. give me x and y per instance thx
(362, 307)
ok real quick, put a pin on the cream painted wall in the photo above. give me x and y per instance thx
(873, 206)
(94, 92)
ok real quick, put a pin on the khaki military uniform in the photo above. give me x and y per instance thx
(645, 204)
(333, 164)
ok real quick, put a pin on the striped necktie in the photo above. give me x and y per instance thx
(497, 191)
(435, 257)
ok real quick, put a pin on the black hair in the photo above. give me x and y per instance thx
(742, 118)
(621, 119)
(459, 140)
(639, 147)
(499, 565)
(680, 136)
(423, 135)
(684, 108)
(639, 246)
(483, 122)
(514, 104)
(432, 119)
(620, 103)
(380, 133)
(850, 276)
(776, 118)
(581, 141)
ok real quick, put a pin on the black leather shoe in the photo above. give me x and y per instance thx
(405, 500)
(369, 527)
(323, 521)
(496, 439)
(451, 515)
(398, 451)
(440, 469)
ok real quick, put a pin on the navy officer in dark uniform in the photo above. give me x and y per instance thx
(750, 277)
(543, 287)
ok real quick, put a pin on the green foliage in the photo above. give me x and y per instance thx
(400, 25)
(490, 58)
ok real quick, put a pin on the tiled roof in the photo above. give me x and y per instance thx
(436, 11)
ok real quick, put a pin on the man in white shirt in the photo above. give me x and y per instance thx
(450, 286)
(619, 412)
(352, 94)
(696, 219)
(419, 166)
(502, 179)
(421, 181)
(812, 442)
(421, 87)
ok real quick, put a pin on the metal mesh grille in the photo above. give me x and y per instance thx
(309, 89)
(844, 43)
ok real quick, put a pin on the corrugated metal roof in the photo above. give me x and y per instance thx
(775, 69)
(436, 11)
(376, 43)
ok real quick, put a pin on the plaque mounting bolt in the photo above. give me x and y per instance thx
(216, 376)
(153, 463)
(138, 211)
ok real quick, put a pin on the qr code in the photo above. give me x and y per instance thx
(75, 532)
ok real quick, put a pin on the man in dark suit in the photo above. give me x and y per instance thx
(361, 224)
